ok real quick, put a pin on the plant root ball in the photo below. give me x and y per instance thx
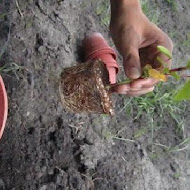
(83, 88)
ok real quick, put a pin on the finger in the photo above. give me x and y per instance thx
(155, 36)
(130, 51)
(132, 64)
(138, 93)
(143, 83)
(126, 88)
(121, 89)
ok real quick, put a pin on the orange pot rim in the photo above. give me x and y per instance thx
(3, 106)
(102, 51)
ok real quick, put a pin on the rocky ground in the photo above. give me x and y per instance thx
(44, 147)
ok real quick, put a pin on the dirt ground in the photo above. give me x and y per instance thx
(44, 147)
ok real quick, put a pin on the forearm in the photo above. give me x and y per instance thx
(121, 9)
(124, 3)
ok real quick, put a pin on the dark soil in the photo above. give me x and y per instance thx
(44, 147)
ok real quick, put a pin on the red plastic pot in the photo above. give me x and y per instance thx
(3, 106)
(96, 47)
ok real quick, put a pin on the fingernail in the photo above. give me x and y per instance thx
(134, 73)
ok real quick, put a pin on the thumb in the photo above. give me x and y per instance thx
(132, 65)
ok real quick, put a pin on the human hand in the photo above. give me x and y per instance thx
(136, 38)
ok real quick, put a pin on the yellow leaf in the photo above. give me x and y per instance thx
(156, 75)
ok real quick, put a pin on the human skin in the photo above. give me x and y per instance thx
(136, 38)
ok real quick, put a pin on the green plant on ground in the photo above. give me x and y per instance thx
(2, 16)
(177, 175)
(150, 11)
(103, 11)
(153, 108)
(173, 4)
(183, 146)
(173, 34)
(186, 43)
(164, 102)
(11, 67)
(165, 99)
(160, 101)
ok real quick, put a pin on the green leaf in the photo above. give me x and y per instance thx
(166, 71)
(183, 93)
(175, 75)
(165, 51)
(162, 63)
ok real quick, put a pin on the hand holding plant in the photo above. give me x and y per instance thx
(162, 72)
(136, 38)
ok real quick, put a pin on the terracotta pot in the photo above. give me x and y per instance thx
(3, 106)
(83, 88)
(96, 47)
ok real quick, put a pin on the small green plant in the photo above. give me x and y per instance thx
(150, 11)
(12, 67)
(186, 43)
(173, 4)
(183, 146)
(163, 72)
(9, 67)
(173, 34)
(161, 101)
(103, 11)
(2, 16)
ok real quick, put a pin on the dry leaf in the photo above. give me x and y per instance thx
(157, 75)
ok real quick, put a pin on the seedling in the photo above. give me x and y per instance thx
(162, 74)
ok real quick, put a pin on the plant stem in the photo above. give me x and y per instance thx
(127, 81)
(179, 69)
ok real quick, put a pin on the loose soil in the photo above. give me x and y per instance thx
(44, 147)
